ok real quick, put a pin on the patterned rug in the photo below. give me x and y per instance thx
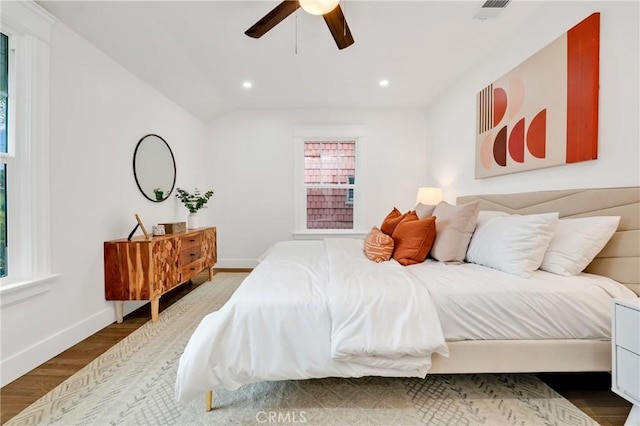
(132, 384)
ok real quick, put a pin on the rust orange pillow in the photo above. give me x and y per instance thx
(408, 216)
(391, 221)
(378, 246)
(413, 239)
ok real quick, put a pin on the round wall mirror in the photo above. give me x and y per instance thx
(154, 168)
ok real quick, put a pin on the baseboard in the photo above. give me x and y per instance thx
(236, 263)
(236, 270)
(26, 360)
(132, 305)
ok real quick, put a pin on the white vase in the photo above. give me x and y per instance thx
(192, 221)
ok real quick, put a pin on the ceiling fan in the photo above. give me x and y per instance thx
(329, 9)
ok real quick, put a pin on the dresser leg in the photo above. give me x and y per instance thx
(155, 309)
(119, 311)
(211, 273)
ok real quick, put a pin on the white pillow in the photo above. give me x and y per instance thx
(514, 244)
(576, 242)
(484, 215)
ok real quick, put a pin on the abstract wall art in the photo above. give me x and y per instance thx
(544, 112)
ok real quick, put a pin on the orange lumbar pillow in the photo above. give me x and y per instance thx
(413, 238)
(378, 246)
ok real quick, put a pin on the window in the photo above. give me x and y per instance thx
(24, 151)
(326, 189)
(327, 168)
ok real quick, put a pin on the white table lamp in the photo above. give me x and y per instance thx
(430, 196)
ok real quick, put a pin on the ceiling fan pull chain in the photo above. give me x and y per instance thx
(296, 44)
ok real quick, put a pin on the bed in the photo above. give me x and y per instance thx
(295, 317)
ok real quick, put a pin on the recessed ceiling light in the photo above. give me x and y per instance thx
(384, 83)
(247, 84)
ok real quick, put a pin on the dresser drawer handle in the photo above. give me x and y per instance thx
(192, 254)
(192, 241)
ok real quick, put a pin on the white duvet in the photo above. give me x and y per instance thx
(314, 310)
(320, 308)
(381, 315)
(479, 303)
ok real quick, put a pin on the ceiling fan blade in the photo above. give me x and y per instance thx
(339, 29)
(273, 18)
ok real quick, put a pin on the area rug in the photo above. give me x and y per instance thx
(132, 384)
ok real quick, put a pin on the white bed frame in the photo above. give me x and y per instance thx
(619, 260)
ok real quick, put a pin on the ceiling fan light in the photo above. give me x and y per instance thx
(318, 7)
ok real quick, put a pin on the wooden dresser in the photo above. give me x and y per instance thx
(145, 269)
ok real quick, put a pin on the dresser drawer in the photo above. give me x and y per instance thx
(190, 255)
(192, 269)
(190, 241)
(628, 373)
(627, 332)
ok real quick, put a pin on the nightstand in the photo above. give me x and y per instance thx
(625, 348)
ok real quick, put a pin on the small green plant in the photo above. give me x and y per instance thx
(159, 194)
(193, 202)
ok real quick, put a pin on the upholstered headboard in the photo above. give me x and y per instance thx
(620, 258)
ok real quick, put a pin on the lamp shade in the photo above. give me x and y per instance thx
(318, 7)
(430, 196)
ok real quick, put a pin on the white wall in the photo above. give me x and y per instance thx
(251, 168)
(451, 121)
(99, 111)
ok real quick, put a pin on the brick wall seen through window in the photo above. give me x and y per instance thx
(329, 177)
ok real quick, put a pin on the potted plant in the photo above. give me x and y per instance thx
(159, 193)
(193, 203)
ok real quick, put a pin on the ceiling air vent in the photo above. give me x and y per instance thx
(491, 9)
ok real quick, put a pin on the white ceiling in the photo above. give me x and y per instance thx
(196, 53)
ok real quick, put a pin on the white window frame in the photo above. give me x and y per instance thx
(28, 27)
(331, 133)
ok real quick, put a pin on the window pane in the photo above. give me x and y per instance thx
(327, 208)
(312, 162)
(329, 162)
(347, 161)
(3, 221)
(4, 89)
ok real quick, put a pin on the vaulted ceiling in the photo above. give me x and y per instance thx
(196, 53)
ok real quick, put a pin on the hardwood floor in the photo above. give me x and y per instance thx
(21, 393)
(588, 391)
